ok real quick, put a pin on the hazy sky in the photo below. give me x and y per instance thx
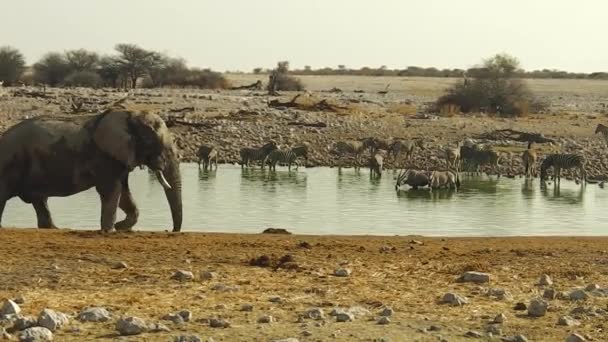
(243, 34)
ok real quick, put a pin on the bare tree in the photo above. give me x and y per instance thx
(82, 60)
(136, 62)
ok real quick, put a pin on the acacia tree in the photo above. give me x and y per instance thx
(82, 60)
(169, 71)
(12, 64)
(110, 70)
(136, 62)
(51, 69)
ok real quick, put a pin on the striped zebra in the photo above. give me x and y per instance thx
(561, 161)
(603, 130)
(207, 155)
(399, 146)
(352, 147)
(287, 156)
(249, 154)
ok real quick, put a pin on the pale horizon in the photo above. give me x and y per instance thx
(238, 35)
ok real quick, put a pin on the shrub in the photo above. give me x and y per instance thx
(52, 69)
(12, 65)
(83, 79)
(288, 83)
(206, 78)
(493, 89)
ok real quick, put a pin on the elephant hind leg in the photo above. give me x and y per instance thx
(43, 214)
(127, 204)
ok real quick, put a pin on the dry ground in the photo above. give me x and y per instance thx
(69, 270)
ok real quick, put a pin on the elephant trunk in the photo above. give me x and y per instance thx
(173, 191)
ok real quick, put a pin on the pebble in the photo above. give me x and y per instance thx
(206, 275)
(516, 338)
(592, 287)
(434, 328)
(384, 320)
(52, 320)
(537, 308)
(23, 323)
(520, 307)
(265, 319)
(500, 318)
(567, 321)
(131, 325)
(158, 327)
(225, 288)
(19, 300)
(275, 299)
(474, 277)
(9, 308)
(181, 275)
(342, 272)
(345, 317)
(494, 329)
(315, 313)
(473, 333)
(575, 338)
(187, 338)
(549, 293)
(175, 318)
(218, 323)
(545, 280)
(500, 293)
(120, 265)
(454, 299)
(35, 334)
(94, 314)
(387, 312)
(578, 295)
(247, 307)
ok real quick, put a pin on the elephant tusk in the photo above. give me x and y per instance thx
(162, 179)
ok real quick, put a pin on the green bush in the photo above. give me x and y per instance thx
(83, 79)
(52, 69)
(206, 78)
(12, 65)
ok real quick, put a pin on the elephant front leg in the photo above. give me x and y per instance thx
(127, 204)
(43, 213)
(110, 197)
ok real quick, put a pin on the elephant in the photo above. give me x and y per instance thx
(46, 156)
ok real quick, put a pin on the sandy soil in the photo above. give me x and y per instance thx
(69, 270)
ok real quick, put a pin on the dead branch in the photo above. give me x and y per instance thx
(173, 121)
(510, 134)
(306, 124)
(254, 86)
(181, 110)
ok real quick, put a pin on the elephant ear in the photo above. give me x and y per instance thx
(112, 137)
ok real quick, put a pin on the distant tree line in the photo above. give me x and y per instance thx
(414, 71)
(131, 66)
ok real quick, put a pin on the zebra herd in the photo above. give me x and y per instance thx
(465, 154)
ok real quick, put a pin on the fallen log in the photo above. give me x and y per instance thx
(306, 124)
(254, 86)
(510, 134)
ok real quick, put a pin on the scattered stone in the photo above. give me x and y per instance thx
(52, 320)
(549, 294)
(219, 323)
(266, 319)
(344, 317)
(221, 307)
(225, 288)
(157, 327)
(175, 318)
(181, 275)
(276, 231)
(454, 299)
(416, 242)
(275, 299)
(500, 318)
(9, 308)
(474, 334)
(306, 333)
(315, 313)
(247, 307)
(342, 272)
(94, 314)
(545, 280)
(384, 320)
(23, 323)
(567, 321)
(578, 295)
(516, 338)
(304, 245)
(434, 328)
(4, 335)
(19, 300)
(358, 311)
(35, 334)
(120, 265)
(131, 325)
(387, 312)
(592, 287)
(494, 329)
(520, 307)
(186, 315)
(537, 308)
(575, 338)
(499, 293)
(474, 277)
(187, 338)
(207, 275)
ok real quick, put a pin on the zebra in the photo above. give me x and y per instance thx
(398, 146)
(561, 161)
(207, 155)
(249, 154)
(352, 147)
(603, 130)
(287, 156)
(528, 157)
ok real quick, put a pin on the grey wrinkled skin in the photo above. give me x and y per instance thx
(47, 156)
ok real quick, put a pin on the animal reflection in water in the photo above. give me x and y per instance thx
(411, 194)
(558, 194)
(274, 177)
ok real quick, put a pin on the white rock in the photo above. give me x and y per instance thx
(342, 272)
(567, 321)
(545, 280)
(315, 313)
(131, 326)
(9, 308)
(182, 275)
(23, 323)
(35, 334)
(474, 277)
(537, 308)
(52, 320)
(454, 299)
(575, 338)
(94, 314)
